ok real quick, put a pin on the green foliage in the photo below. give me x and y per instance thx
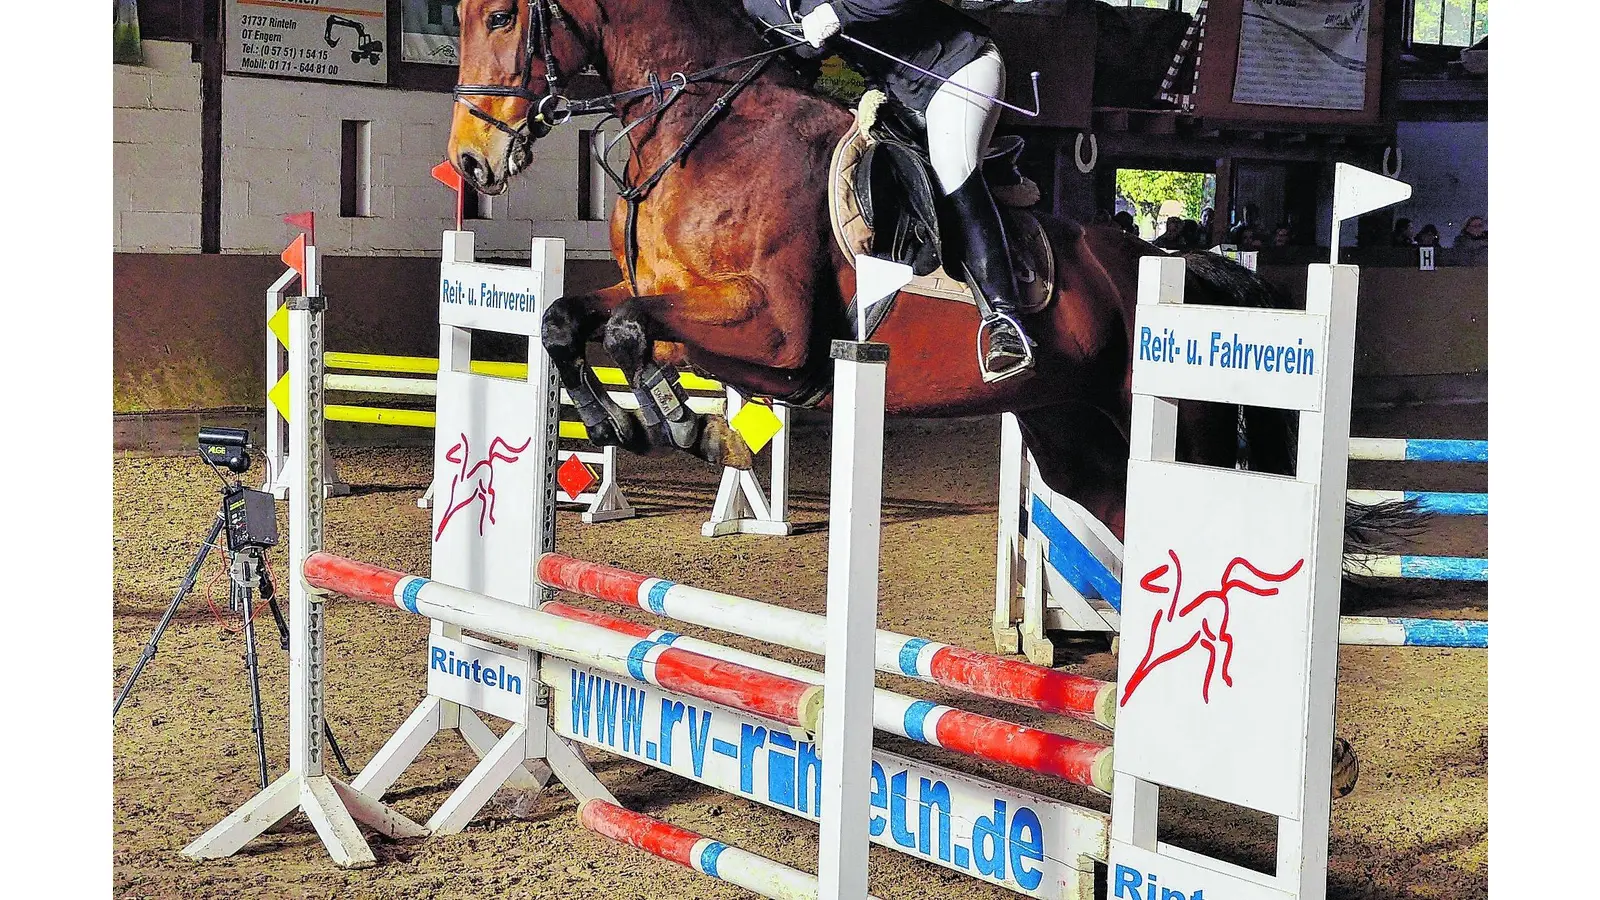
(125, 46)
(1147, 189)
(1453, 23)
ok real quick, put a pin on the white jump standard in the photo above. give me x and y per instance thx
(1232, 597)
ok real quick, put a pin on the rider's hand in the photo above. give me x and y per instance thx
(820, 24)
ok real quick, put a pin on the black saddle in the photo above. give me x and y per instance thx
(898, 193)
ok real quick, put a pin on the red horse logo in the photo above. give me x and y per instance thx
(475, 482)
(1201, 622)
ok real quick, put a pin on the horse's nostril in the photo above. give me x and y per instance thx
(474, 169)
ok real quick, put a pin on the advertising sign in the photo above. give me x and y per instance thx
(331, 40)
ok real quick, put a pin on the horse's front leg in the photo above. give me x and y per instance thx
(728, 318)
(568, 325)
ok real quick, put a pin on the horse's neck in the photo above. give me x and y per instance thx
(664, 37)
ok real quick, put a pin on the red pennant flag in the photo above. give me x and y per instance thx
(447, 175)
(305, 221)
(294, 256)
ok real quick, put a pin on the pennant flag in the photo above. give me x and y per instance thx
(876, 281)
(279, 395)
(757, 424)
(1357, 191)
(446, 174)
(294, 256)
(305, 221)
(279, 325)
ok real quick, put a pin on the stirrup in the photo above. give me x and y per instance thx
(989, 377)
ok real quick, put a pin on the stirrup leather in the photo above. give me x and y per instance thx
(989, 376)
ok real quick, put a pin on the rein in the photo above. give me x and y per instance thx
(553, 108)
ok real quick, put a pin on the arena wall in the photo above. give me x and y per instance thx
(155, 151)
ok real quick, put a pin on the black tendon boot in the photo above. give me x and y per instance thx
(987, 260)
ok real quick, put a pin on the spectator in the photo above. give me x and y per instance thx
(1125, 219)
(1170, 239)
(1205, 219)
(1189, 237)
(1474, 234)
(1402, 236)
(1282, 237)
(1248, 238)
(1428, 236)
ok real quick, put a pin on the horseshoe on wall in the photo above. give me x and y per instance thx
(1094, 153)
(1399, 161)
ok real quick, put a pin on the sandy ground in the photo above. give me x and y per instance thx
(1416, 826)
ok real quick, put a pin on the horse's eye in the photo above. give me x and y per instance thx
(502, 19)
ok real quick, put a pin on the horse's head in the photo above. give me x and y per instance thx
(514, 54)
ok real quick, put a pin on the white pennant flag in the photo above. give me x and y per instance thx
(876, 281)
(1357, 192)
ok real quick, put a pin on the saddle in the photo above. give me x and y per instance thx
(884, 202)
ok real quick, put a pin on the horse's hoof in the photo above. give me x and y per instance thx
(721, 445)
(1346, 768)
(610, 432)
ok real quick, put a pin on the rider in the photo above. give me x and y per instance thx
(936, 37)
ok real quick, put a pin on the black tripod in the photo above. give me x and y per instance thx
(247, 575)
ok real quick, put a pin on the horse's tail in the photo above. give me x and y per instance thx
(1268, 437)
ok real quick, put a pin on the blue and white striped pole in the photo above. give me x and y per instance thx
(1419, 450)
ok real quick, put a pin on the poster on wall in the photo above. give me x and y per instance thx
(429, 32)
(1303, 53)
(332, 40)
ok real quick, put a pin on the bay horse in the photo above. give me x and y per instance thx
(737, 273)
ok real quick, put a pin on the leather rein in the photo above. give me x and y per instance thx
(553, 108)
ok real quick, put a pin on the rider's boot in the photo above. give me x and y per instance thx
(987, 259)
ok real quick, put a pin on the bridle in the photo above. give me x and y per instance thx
(548, 109)
(552, 108)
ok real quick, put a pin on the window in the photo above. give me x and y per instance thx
(1188, 6)
(1449, 23)
(355, 169)
(594, 194)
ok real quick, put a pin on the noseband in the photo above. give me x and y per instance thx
(550, 108)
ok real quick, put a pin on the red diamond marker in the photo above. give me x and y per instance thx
(575, 477)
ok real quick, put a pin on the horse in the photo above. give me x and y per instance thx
(730, 265)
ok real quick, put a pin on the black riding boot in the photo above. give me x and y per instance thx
(987, 259)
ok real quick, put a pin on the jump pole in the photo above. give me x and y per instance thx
(957, 668)
(934, 724)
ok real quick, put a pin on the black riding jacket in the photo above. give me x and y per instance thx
(929, 33)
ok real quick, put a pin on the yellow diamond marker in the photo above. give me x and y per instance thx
(279, 395)
(757, 424)
(278, 324)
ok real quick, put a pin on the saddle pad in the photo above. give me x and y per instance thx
(1036, 280)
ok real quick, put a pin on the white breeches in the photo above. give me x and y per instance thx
(960, 123)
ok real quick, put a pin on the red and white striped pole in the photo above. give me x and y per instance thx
(764, 694)
(766, 877)
(957, 668)
(934, 724)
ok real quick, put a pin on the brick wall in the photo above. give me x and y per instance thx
(281, 154)
(155, 136)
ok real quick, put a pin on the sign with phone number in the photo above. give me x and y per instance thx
(331, 40)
